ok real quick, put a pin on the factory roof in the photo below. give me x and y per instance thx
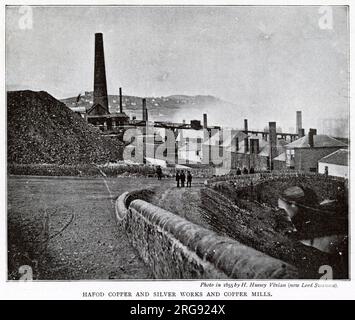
(339, 157)
(320, 141)
(227, 143)
(281, 157)
(109, 115)
(265, 147)
(234, 134)
(190, 134)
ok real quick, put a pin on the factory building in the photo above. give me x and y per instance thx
(257, 151)
(245, 149)
(304, 153)
(189, 143)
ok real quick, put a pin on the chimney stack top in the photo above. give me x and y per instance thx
(205, 120)
(311, 134)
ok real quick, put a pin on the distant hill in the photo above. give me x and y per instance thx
(171, 108)
(42, 129)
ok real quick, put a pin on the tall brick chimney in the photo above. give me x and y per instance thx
(144, 110)
(311, 134)
(246, 140)
(100, 86)
(301, 133)
(298, 121)
(121, 108)
(272, 142)
(205, 121)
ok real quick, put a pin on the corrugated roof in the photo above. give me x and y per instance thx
(339, 157)
(320, 141)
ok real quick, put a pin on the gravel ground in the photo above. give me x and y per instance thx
(64, 228)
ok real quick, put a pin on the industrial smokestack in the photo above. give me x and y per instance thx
(246, 140)
(205, 121)
(144, 110)
(301, 133)
(311, 134)
(272, 142)
(245, 125)
(100, 86)
(298, 121)
(121, 108)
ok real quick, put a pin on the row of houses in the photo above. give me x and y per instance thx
(312, 152)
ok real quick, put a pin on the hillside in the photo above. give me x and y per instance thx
(172, 108)
(42, 129)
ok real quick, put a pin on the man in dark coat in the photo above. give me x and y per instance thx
(178, 177)
(159, 172)
(189, 179)
(182, 178)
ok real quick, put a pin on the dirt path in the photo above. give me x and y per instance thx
(65, 228)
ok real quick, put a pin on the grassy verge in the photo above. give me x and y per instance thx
(92, 170)
(80, 170)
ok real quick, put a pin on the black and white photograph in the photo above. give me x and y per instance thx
(177, 142)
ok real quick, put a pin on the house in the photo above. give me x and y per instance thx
(189, 142)
(335, 164)
(280, 161)
(304, 153)
(98, 116)
(190, 135)
(222, 148)
(256, 154)
(190, 154)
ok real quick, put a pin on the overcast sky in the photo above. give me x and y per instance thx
(270, 61)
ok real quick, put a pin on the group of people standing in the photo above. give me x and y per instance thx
(181, 177)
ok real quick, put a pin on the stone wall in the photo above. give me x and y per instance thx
(175, 248)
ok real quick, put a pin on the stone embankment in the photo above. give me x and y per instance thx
(175, 248)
